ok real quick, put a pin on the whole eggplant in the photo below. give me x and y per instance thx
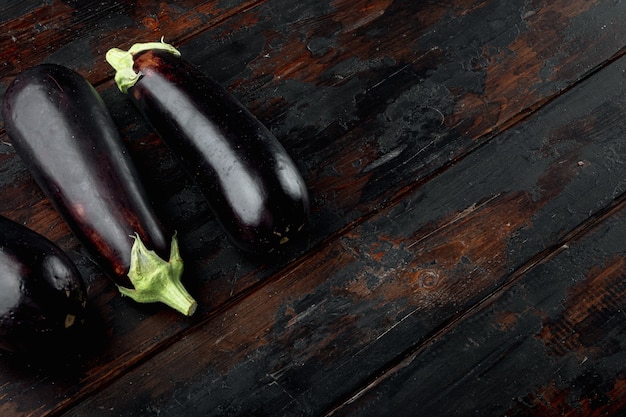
(42, 294)
(62, 130)
(251, 183)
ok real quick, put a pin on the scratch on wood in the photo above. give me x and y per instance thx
(394, 153)
(300, 316)
(460, 216)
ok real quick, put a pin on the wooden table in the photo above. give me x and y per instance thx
(467, 255)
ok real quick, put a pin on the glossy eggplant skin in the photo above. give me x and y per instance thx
(63, 132)
(252, 185)
(42, 294)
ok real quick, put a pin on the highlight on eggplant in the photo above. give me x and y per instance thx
(62, 130)
(43, 297)
(252, 185)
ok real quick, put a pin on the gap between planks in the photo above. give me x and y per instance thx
(408, 355)
(403, 359)
(108, 80)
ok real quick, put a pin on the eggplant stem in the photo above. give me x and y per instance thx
(158, 280)
(123, 62)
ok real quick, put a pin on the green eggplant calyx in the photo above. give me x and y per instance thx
(123, 62)
(158, 280)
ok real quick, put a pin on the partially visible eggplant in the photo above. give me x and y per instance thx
(62, 130)
(253, 186)
(42, 294)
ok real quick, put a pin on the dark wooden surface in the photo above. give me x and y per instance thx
(467, 255)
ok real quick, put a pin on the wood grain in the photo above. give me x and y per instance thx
(551, 344)
(404, 118)
(404, 279)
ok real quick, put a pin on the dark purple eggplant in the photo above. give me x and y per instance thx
(42, 294)
(251, 183)
(62, 130)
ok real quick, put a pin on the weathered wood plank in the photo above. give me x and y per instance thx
(551, 344)
(369, 104)
(78, 33)
(323, 328)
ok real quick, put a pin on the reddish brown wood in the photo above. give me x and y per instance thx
(549, 344)
(78, 34)
(377, 101)
(407, 277)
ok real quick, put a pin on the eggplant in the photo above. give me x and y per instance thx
(62, 130)
(42, 294)
(251, 184)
